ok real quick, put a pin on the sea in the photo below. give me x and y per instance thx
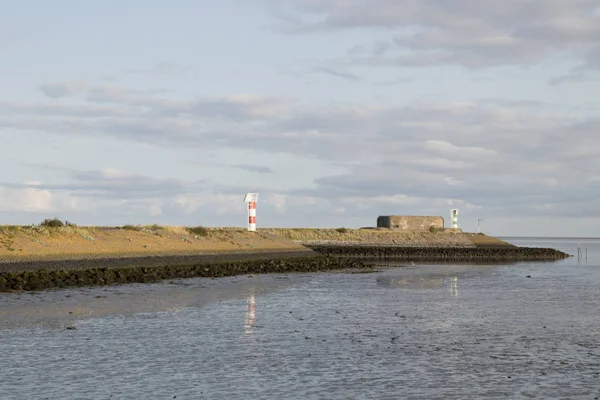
(526, 330)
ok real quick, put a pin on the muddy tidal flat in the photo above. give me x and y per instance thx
(524, 330)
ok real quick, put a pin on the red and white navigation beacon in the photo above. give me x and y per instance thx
(251, 199)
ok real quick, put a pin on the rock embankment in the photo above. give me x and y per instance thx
(45, 278)
(374, 237)
(440, 253)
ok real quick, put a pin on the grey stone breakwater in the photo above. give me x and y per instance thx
(440, 242)
(100, 271)
(440, 253)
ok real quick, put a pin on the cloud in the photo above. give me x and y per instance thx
(386, 191)
(449, 149)
(254, 168)
(25, 199)
(117, 94)
(377, 48)
(111, 195)
(163, 68)
(53, 111)
(582, 72)
(571, 77)
(394, 82)
(466, 32)
(486, 154)
(344, 75)
(278, 201)
(118, 184)
(109, 183)
(337, 133)
(59, 90)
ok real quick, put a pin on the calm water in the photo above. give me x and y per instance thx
(418, 332)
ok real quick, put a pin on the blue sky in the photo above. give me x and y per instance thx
(334, 111)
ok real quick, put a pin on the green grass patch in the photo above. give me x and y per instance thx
(197, 230)
(52, 223)
(153, 227)
(55, 223)
(136, 228)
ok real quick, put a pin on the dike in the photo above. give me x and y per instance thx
(32, 279)
(509, 254)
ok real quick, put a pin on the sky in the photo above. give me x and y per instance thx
(334, 111)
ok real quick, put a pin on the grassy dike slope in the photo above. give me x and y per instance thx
(40, 243)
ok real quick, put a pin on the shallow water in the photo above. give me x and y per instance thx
(435, 331)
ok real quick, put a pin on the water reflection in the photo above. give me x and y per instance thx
(427, 282)
(454, 286)
(419, 282)
(250, 314)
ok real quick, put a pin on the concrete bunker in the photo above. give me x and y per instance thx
(410, 223)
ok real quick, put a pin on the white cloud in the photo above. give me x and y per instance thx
(551, 182)
(480, 150)
(447, 148)
(277, 201)
(25, 199)
(189, 203)
(468, 33)
(59, 90)
(33, 200)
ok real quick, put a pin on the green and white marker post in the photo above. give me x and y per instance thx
(454, 218)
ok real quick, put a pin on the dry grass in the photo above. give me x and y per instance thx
(481, 240)
(40, 241)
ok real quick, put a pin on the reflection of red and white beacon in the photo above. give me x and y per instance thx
(454, 286)
(250, 313)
